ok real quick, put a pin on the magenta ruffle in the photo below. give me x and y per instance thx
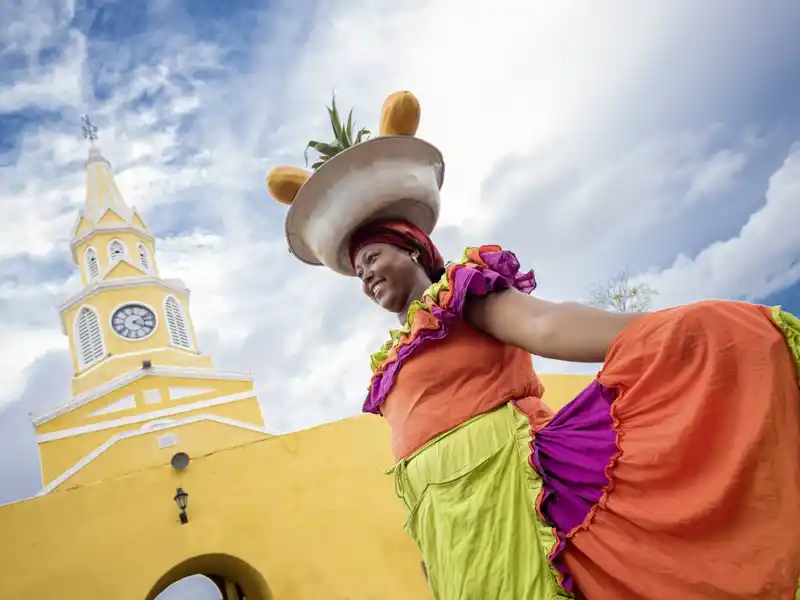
(501, 272)
(572, 454)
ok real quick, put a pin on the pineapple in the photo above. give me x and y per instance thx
(343, 137)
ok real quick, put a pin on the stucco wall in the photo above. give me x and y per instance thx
(312, 512)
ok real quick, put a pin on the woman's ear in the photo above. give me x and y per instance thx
(283, 183)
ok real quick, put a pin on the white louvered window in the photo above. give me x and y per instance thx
(116, 251)
(89, 338)
(92, 264)
(144, 260)
(178, 332)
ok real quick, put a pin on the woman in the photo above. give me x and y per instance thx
(675, 474)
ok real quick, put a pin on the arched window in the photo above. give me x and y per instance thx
(178, 332)
(89, 337)
(116, 251)
(144, 259)
(92, 264)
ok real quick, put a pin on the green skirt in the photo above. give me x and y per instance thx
(471, 498)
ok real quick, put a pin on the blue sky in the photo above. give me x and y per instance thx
(659, 138)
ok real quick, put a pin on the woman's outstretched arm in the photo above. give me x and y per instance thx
(563, 331)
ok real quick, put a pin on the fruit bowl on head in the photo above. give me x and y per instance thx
(358, 180)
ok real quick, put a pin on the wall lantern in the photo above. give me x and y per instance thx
(182, 499)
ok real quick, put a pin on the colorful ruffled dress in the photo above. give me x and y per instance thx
(674, 475)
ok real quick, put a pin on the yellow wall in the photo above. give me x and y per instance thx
(59, 455)
(312, 512)
(206, 388)
(142, 451)
(560, 389)
(114, 366)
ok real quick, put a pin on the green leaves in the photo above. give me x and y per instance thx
(343, 137)
(361, 132)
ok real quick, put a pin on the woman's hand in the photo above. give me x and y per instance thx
(563, 331)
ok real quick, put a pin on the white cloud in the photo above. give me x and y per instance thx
(716, 174)
(28, 24)
(53, 86)
(28, 343)
(510, 79)
(762, 259)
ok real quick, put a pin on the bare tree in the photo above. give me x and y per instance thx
(620, 295)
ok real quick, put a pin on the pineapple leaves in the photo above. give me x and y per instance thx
(348, 131)
(343, 137)
(361, 133)
(335, 122)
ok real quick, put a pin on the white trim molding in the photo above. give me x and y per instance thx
(114, 265)
(135, 213)
(153, 351)
(123, 380)
(124, 403)
(175, 286)
(158, 424)
(100, 229)
(178, 392)
(141, 418)
(143, 431)
(75, 225)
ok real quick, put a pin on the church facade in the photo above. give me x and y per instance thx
(160, 467)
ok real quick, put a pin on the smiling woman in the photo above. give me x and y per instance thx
(672, 475)
(395, 261)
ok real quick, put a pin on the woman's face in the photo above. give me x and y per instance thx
(389, 276)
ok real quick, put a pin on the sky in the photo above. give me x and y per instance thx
(658, 138)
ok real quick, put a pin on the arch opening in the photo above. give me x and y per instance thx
(235, 579)
(196, 587)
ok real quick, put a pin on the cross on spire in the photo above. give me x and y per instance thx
(89, 129)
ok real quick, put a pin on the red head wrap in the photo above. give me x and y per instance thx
(401, 234)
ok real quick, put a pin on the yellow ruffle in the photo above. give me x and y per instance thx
(790, 326)
(431, 297)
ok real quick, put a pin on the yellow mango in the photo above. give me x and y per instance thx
(400, 114)
(283, 183)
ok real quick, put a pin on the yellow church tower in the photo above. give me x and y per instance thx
(141, 387)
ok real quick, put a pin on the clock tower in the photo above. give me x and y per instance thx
(137, 365)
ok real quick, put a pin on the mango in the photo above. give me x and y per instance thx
(283, 183)
(400, 114)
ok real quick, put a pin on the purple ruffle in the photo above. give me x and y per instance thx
(502, 272)
(507, 266)
(571, 454)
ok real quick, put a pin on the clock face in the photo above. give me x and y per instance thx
(133, 321)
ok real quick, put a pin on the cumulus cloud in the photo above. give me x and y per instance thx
(762, 259)
(587, 140)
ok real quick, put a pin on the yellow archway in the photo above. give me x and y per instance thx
(228, 572)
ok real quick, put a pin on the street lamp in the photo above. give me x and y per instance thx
(182, 499)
